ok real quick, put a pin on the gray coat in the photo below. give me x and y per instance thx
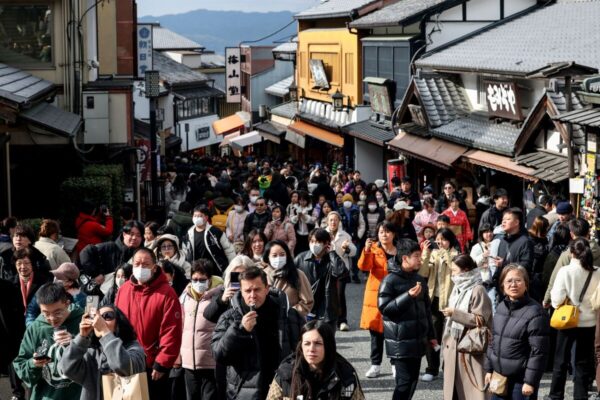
(85, 365)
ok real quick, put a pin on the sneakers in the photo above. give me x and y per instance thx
(393, 370)
(344, 327)
(373, 372)
(427, 378)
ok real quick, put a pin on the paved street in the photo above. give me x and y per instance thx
(355, 346)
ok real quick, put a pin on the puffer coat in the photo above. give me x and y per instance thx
(520, 342)
(407, 324)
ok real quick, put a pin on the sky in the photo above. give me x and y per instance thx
(162, 7)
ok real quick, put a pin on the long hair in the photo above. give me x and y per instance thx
(123, 328)
(289, 272)
(300, 385)
(247, 250)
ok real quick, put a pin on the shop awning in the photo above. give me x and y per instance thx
(499, 163)
(433, 151)
(53, 119)
(245, 140)
(548, 166)
(231, 124)
(227, 138)
(589, 116)
(271, 131)
(295, 138)
(317, 133)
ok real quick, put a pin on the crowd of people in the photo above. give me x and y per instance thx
(240, 292)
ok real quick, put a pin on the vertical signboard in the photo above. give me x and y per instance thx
(144, 49)
(502, 100)
(232, 74)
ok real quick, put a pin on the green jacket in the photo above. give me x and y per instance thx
(47, 383)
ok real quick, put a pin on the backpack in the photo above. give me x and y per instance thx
(219, 220)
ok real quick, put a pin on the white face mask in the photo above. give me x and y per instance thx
(199, 221)
(200, 287)
(120, 282)
(277, 262)
(372, 207)
(253, 199)
(347, 204)
(316, 248)
(142, 275)
(239, 209)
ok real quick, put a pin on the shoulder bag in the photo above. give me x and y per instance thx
(133, 387)
(566, 316)
(475, 340)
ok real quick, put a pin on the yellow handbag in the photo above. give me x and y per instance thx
(566, 316)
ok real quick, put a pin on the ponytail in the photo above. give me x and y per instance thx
(580, 249)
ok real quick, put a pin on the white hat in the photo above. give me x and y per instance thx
(379, 183)
(402, 205)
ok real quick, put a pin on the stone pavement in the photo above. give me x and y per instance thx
(355, 346)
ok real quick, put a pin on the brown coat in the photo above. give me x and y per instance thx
(301, 299)
(374, 262)
(455, 375)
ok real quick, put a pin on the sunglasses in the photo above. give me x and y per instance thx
(109, 316)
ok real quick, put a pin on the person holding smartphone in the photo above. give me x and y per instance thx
(106, 343)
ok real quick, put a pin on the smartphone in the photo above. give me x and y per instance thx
(40, 357)
(234, 278)
(91, 306)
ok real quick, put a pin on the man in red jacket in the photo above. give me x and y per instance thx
(153, 309)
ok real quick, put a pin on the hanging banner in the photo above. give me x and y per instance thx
(144, 49)
(232, 74)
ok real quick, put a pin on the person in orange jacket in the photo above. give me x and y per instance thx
(374, 259)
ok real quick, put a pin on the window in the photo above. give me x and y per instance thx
(389, 60)
(349, 71)
(193, 108)
(26, 34)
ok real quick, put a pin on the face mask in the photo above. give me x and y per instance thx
(372, 207)
(363, 197)
(200, 287)
(142, 275)
(347, 204)
(120, 282)
(253, 199)
(277, 262)
(316, 248)
(199, 221)
(170, 283)
(239, 209)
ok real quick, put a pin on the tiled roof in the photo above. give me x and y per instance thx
(396, 13)
(548, 166)
(166, 39)
(332, 9)
(286, 110)
(443, 99)
(272, 128)
(281, 88)
(560, 102)
(204, 91)
(21, 87)
(173, 72)
(371, 132)
(477, 131)
(565, 31)
(287, 47)
(53, 118)
(212, 60)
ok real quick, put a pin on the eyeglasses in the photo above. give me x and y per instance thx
(109, 316)
(167, 247)
(509, 282)
(55, 314)
(260, 204)
(23, 264)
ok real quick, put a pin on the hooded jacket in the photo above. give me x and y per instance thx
(407, 324)
(47, 382)
(155, 313)
(239, 349)
(91, 231)
(520, 341)
(179, 256)
(196, 352)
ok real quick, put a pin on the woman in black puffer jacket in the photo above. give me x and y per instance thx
(519, 348)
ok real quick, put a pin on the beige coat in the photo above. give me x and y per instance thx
(455, 375)
(434, 263)
(300, 299)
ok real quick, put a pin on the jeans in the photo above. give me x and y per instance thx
(433, 357)
(584, 362)
(376, 347)
(515, 393)
(201, 384)
(407, 376)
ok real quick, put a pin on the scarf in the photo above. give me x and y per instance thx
(460, 299)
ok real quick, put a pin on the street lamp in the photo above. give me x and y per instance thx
(293, 90)
(338, 101)
(152, 80)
